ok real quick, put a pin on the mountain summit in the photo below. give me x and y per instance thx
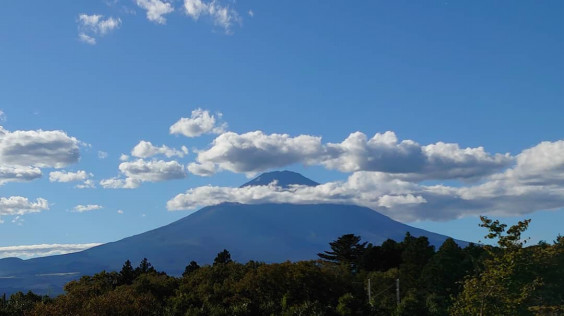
(283, 178)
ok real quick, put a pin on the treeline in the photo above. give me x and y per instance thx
(352, 278)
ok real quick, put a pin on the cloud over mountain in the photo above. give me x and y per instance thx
(32, 251)
(255, 152)
(535, 182)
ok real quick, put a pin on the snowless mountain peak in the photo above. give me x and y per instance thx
(283, 179)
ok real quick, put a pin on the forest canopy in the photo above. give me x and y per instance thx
(351, 277)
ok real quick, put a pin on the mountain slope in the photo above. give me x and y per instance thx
(265, 232)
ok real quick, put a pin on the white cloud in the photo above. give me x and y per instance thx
(33, 251)
(18, 174)
(86, 208)
(18, 205)
(200, 122)
(2, 116)
(118, 183)
(535, 182)
(204, 169)
(156, 9)
(124, 157)
(152, 171)
(87, 184)
(256, 151)
(146, 149)
(251, 13)
(221, 15)
(95, 25)
(64, 176)
(38, 148)
(139, 171)
(120, 211)
(86, 39)
(102, 154)
(81, 175)
(384, 153)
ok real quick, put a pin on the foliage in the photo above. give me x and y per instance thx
(347, 250)
(515, 280)
(507, 279)
(223, 257)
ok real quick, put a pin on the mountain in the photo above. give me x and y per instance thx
(283, 179)
(262, 232)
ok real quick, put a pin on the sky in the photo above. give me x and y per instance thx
(121, 116)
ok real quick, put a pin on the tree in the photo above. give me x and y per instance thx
(193, 266)
(442, 276)
(515, 280)
(415, 255)
(223, 257)
(127, 274)
(347, 250)
(144, 267)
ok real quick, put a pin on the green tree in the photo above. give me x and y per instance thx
(127, 273)
(515, 279)
(442, 275)
(191, 267)
(144, 267)
(347, 250)
(415, 255)
(223, 257)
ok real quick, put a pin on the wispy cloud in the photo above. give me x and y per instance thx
(156, 9)
(87, 208)
(221, 15)
(86, 39)
(90, 26)
(41, 250)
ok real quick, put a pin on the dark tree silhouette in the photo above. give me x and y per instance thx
(144, 267)
(347, 249)
(222, 258)
(193, 266)
(127, 274)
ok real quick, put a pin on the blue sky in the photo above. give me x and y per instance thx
(430, 112)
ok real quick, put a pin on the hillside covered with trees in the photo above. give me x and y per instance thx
(352, 277)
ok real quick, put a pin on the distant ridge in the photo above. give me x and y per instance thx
(283, 178)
